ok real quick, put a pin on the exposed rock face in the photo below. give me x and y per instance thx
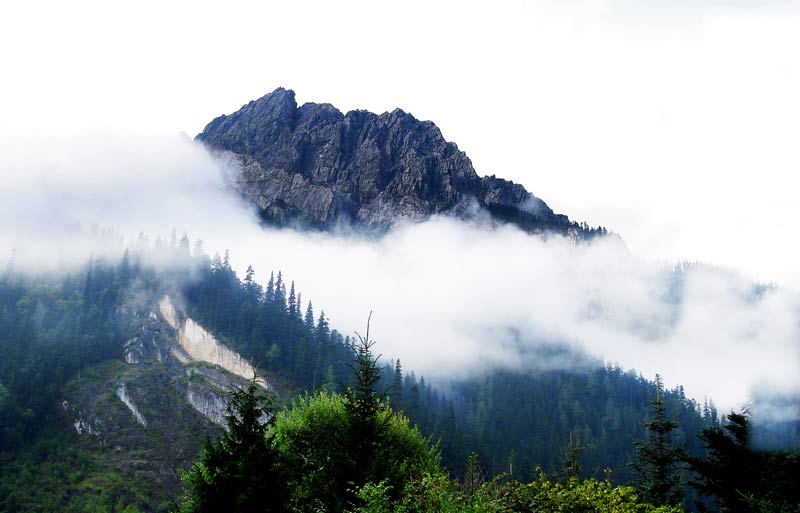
(211, 405)
(196, 344)
(172, 367)
(146, 414)
(144, 346)
(314, 166)
(122, 392)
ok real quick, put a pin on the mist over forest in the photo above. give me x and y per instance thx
(438, 289)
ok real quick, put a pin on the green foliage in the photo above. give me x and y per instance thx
(362, 403)
(51, 328)
(435, 493)
(314, 444)
(267, 328)
(575, 496)
(473, 477)
(333, 451)
(236, 473)
(529, 417)
(52, 476)
(570, 457)
(658, 458)
(743, 480)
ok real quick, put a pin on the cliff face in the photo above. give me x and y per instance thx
(195, 344)
(152, 411)
(314, 166)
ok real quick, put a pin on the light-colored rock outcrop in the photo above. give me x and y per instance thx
(122, 393)
(197, 344)
(209, 404)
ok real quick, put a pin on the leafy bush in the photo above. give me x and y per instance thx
(435, 493)
(313, 441)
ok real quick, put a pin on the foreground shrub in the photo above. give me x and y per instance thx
(435, 493)
(313, 440)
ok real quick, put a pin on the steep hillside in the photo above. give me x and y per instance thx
(109, 386)
(136, 390)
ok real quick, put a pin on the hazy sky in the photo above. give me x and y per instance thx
(676, 126)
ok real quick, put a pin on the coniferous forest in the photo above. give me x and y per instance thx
(340, 430)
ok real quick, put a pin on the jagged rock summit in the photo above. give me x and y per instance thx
(313, 166)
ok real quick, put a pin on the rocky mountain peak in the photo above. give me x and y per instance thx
(314, 166)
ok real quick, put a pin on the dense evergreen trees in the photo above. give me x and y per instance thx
(352, 453)
(266, 326)
(658, 458)
(56, 328)
(52, 327)
(741, 479)
(330, 446)
(600, 406)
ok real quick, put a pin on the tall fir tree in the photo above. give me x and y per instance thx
(323, 331)
(363, 404)
(740, 478)
(292, 303)
(659, 459)
(397, 386)
(237, 473)
(309, 318)
(269, 294)
(280, 292)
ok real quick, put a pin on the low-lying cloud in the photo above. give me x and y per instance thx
(450, 298)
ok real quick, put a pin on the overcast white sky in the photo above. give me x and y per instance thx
(675, 126)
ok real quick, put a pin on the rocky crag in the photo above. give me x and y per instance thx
(150, 414)
(313, 166)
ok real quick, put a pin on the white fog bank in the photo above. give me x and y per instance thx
(449, 298)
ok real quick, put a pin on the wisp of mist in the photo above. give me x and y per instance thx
(449, 298)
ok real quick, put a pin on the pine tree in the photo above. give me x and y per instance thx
(248, 277)
(125, 271)
(292, 302)
(226, 261)
(280, 292)
(473, 477)
(363, 404)
(269, 295)
(183, 246)
(251, 286)
(658, 458)
(200, 255)
(236, 474)
(726, 472)
(397, 386)
(309, 319)
(323, 332)
(741, 479)
(216, 262)
(570, 457)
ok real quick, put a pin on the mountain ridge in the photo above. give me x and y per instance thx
(314, 166)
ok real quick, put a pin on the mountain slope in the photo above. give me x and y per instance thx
(113, 375)
(314, 166)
